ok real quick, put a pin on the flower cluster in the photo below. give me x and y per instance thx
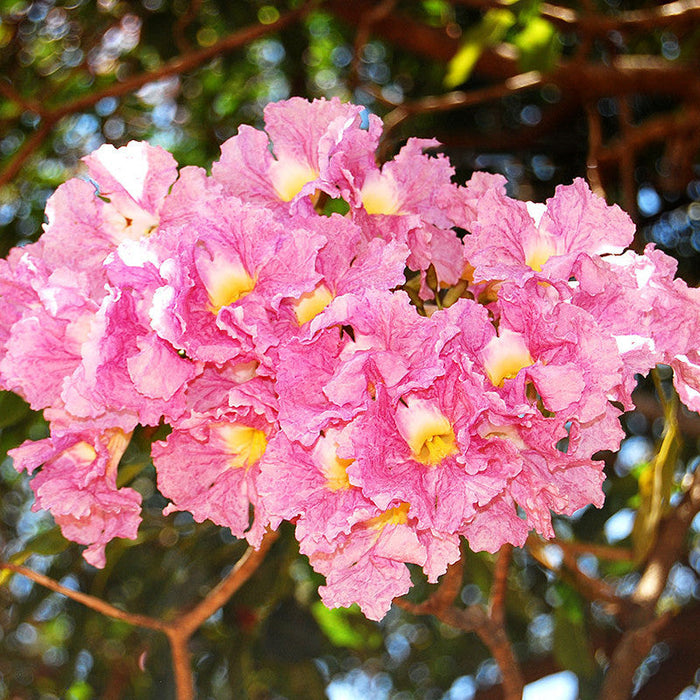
(383, 382)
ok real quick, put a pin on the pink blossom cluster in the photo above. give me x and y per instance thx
(300, 380)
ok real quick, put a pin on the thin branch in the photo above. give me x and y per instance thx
(7, 89)
(474, 618)
(176, 66)
(591, 588)
(27, 149)
(443, 597)
(362, 35)
(493, 635)
(601, 551)
(184, 20)
(87, 600)
(595, 143)
(627, 161)
(597, 23)
(182, 664)
(499, 587)
(220, 594)
(459, 98)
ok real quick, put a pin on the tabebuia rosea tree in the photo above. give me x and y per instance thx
(385, 358)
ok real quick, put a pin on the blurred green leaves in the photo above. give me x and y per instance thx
(535, 39)
(488, 32)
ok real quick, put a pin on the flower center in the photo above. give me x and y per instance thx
(392, 516)
(289, 176)
(226, 282)
(379, 194)
(310, 304)
(429, 434)
(246, 445)
(334, 468)
(505, 355)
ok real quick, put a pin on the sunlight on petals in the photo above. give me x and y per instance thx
(225, 282)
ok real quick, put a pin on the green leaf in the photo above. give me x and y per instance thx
(491, 29)
(12, 409)
(337, 626)
(47, 542)
(656, 482)
(80, 690)
(538, 44)
(571, 646)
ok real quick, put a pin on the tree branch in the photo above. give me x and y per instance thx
(181, 64)
(89, 601)
(638, 640)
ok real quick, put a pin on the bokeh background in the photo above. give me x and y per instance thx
(541, 92)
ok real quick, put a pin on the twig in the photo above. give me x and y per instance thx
(638, 640)
(627, 161)
(369, 18)
(601, 551)
(7, 89)
(184, 20)
(176, 66)
(489, 627)
(681, 11)
(182, 627)
(595, 143)
(26, 150)
(220, 594)
(499, 587)
(459, 98)
(591, 588)
(96, 604)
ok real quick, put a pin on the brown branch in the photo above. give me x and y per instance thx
(179, 630)
(26, 151)
(188, 622)
(601, 551)
(443, 597)
(458, 99)
(176, 66)
(489, 627)
(595, 143)
(493, 635)
(627, 161)
(597, 23)
(590, 588)
(184, 20)
(96, 604)
(499, 587)
(7, 89)
(637, 641)
(369, 18)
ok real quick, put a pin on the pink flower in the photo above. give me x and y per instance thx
(87, 221)
(126, 369)
(511, 239)
(652, 316)
(77, 484)
(310, 485)
(228, 269)
(211, 470)
(329, 379)
(306, 137)
(368, 566)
